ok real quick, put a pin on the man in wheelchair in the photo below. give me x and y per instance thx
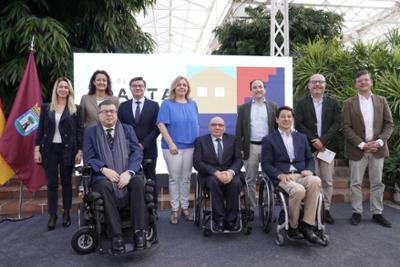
(112, 150)
(287, 159)
(218, 161)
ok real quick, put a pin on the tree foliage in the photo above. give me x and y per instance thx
(251, 35)
(61, 28)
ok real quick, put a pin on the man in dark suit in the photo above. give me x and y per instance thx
(318, 117)
(113, 151)
(287, 159)
(367, 125)
(217, 158)
(141, 113)
(256, 119)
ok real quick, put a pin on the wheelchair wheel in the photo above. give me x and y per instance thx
(85, 241)
(266, 204)
(198, 207)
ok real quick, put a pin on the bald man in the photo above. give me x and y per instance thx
(217, 158)
(318, 117)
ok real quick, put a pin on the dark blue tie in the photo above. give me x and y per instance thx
(219, 150)
(137, 111)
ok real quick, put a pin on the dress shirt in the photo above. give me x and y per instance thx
(134, 105)
(288, 142)
(258, 121)
(367, 111)
(318, 113)
(215, 143)
(112, 132)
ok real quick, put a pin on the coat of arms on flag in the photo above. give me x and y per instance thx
(28, 121)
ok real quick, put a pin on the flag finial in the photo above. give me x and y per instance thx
(32, 45)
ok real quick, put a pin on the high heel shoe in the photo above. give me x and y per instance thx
(174, 217)
(186, 214)
(66, 219)
(51, 224)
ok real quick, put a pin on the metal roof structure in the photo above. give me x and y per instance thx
(186, 26)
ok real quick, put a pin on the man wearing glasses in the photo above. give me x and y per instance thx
(367, 125)
(217, 158)
(112, 150)
(141, 113)
(318, 117)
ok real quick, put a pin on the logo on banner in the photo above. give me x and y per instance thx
(28, 121)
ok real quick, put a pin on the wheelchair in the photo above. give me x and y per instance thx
(203, 214)
(271, 197)
(91, 220)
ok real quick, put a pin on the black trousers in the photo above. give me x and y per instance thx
(137, 204)
(54, 168)
(225, 202)
(149, 169)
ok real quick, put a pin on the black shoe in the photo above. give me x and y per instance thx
(308, 232)
(381, 220)
(251, 215)
(328, 217)
(219, 226)
(117, 245)
(51, 224)
(231, 226)
(355, 218)
(66, 219)
(294, 233)
(139, 239)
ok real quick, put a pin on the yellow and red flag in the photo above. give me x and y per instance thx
(5, 170)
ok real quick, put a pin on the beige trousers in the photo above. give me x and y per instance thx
(305, 189)
(324, 171)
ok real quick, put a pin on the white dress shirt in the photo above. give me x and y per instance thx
(258, 121)
(215, 143)
(318, 113)
(288, 142)
(134, 105)
(57, 135)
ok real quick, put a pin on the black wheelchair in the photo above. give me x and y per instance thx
(203, 214)
(91, 220)
(271, 197)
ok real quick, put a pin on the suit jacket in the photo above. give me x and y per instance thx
(90, 109)
(275, 159)
(71, 131)
(354, 128)
(91, 153)
(146, 130)
(205, 159)
(306, 121)
(243, 125)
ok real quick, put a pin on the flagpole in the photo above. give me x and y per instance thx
(20, 216)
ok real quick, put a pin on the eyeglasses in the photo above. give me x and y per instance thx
(217, 125)
(363, 80)
(105, 111)
(317, 81)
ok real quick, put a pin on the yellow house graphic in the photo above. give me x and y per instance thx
(214, 91)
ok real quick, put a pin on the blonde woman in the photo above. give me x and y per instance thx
(59, 146)
(179, 127)
(99, 90)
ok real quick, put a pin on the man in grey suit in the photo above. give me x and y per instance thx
(256, 119)
(318, 117)
(367, 125)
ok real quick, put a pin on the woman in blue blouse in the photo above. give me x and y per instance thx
(179, 127)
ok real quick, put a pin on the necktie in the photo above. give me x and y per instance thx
(137, 111)
(109, 135)
(219, 150)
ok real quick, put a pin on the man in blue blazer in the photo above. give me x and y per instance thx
(218, 160)
(141, 113)
(113, 152)
(287, 159)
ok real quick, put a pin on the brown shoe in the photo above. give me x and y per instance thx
(186, 215)
(174, 217)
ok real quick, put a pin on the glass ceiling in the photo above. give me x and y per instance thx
(185, 26)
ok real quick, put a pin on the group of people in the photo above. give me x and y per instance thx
(116, 140)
